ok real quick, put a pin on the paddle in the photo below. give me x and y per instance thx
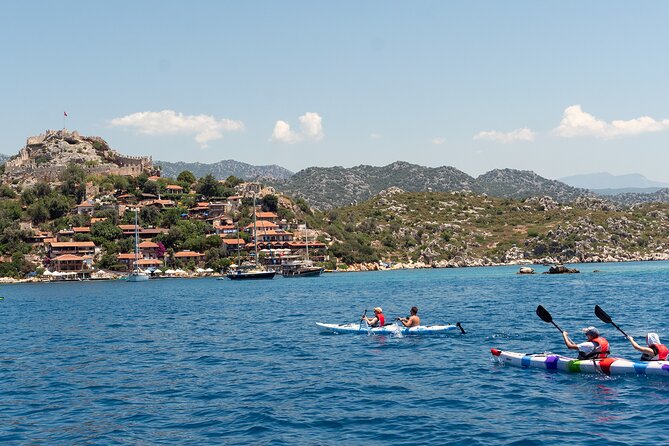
(363, 318)
(606, 318)
(546, 317)
(460, 327)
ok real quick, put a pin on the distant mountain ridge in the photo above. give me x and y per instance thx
(223, 169)
(329, 187)
(605, 180)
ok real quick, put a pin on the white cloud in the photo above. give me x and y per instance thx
(168, 122)
(375, 136)
(311, 129)
(439, 140)
(575, 122)
(523, 134)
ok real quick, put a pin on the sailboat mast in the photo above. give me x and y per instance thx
(255, 230)
(136, 244)
(306, 239)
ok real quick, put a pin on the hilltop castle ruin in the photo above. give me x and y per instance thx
(46, 156)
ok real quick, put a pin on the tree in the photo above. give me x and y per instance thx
(232, 181)
(58, 205)
(149, 215)
(38, 212)
(270, 203)
(150, 187)
(106, 230)
(73, 182)
(208, 186)
(186, 176)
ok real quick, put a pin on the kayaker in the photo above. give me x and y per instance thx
(655, 350)
(413, 320)
(596, 346)
(379, 320)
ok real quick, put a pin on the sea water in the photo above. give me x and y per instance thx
(207, 361)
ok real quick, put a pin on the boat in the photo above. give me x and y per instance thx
(388, 329)
(250, 272)
(606, 366)
(137, 275)
(255, 271)
(303, 268)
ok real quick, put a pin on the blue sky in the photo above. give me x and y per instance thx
(560, 88)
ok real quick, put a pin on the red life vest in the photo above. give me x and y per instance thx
(382, 319)
(601, 349)
(661, 351)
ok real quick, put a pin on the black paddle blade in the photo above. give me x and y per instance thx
(460, 327)
(602, 315)
(544, 314)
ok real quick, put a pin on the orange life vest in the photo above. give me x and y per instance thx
(661, 352)
(601, 349)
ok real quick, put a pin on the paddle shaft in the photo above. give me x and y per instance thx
(603, 315)
(619, 329)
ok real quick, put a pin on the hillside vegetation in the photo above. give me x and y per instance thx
(327, 188)
(464, 229)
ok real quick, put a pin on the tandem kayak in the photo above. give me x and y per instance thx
(607, 366)
(389, 329)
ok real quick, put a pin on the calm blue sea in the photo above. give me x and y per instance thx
(207, 361)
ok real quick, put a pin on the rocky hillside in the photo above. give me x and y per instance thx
(629, 199)
(223, 169)
(327, 188)
(511, 183)
(467, 229)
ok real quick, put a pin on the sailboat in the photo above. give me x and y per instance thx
(303, 268)
(137, 275)
(250, 272)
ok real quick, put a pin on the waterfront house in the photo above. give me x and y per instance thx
(56, 249)
(190, 256)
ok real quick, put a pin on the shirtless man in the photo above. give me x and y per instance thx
(413, 320)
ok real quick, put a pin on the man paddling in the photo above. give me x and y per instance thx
(413, 320)
(596, 346)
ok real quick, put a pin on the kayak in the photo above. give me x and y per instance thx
(389, 329)
(607, 366)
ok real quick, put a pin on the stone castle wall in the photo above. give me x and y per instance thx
(24, 167)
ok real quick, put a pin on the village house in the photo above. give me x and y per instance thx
(174, 189)
(190, 256)
(56, 249)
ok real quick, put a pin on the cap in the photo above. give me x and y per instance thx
(378, 310)
(591, 331)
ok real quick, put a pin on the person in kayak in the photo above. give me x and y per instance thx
(655, 350)
(596, 346)
(379, 320)
(413, 320)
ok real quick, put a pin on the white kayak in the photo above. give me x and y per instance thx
(388, 329)
(607, 366)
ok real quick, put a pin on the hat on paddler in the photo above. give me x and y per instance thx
(378, 310)
(591, 331)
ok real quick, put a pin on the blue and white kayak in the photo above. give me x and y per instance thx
(389, 329)
(606, 366)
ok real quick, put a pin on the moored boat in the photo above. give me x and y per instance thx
(250, 273)
(606, 366)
